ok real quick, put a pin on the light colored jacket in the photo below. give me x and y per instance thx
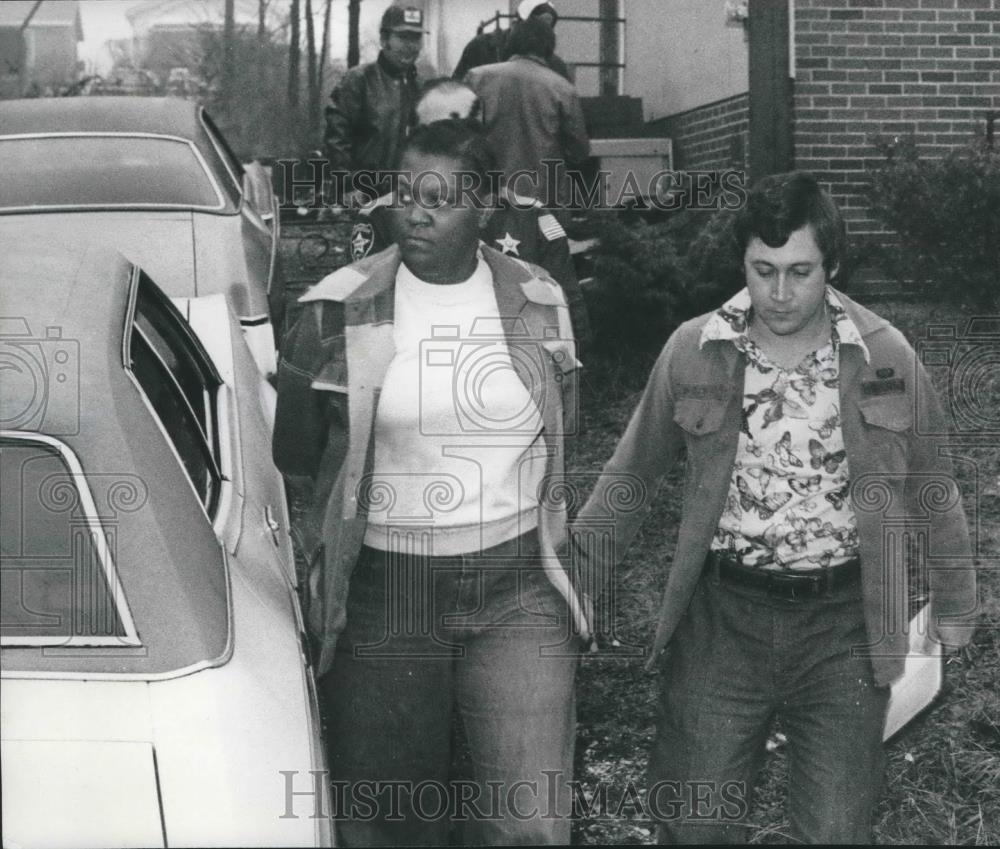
(332, 367)
(901, 484)
(532, 115)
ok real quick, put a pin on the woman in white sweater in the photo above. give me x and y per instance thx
(429, 389)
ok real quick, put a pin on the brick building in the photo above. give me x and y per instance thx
(857, 71)
(881, 68)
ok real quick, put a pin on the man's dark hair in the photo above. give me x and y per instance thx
(782, 203)
(532, 37)
(460, 138)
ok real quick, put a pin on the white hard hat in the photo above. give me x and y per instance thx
(448, 99)
(527, 8)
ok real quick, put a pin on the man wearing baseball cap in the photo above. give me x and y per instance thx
(487, 48)
(371, 109)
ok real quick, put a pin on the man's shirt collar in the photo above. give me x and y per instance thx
(731, 320)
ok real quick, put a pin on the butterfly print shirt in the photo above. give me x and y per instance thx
(788, 505)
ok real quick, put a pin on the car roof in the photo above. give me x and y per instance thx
(129, 115)
(163, 115)
(168, 559)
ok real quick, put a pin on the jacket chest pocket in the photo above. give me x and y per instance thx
(888, 425)
(892, 413)
(701, 420)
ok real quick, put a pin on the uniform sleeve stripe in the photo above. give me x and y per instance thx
(550, 227)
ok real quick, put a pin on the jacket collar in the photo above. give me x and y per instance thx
(367, 288)
(731, 320)
(538, 60)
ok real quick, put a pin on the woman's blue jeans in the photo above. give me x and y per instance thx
(485, 632)
(739, 657)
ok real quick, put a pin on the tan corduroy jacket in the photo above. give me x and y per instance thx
(902, 487)
(332, 366)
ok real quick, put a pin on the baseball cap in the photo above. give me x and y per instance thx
(527, 8)
(403, 19)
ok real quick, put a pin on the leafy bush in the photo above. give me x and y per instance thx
(946, 213)
(650, 277)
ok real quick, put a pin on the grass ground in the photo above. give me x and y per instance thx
(943, 774)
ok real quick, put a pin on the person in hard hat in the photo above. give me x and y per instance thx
(487, 48)
(533, 118)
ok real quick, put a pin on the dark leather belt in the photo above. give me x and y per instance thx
(785, 584)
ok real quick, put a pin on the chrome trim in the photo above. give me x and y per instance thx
(221, 154)
(100, 543)
(229, 508)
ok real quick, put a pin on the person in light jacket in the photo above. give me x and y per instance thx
(533, 119)
(430, 390)
(815, 463)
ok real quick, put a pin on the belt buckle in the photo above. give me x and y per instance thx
(789, 581)
(782, 584)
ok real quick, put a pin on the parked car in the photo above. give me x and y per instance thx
(155, 179)
(156, 684)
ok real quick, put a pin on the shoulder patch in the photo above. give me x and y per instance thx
(335, 287)
(362, 240)
(550, 227)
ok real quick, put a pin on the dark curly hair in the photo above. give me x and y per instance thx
(532, 37)
(459, 138)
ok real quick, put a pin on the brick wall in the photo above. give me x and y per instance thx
(871, 68)
(713, 136)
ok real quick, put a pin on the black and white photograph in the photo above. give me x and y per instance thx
(499, 422)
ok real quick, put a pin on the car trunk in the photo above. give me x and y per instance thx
(161, 243)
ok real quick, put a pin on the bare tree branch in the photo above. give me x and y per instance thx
(294, 55)
(353, 32)
(324, 53)
(311, 75)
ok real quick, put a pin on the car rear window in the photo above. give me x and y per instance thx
(87, 171)
(58, 584)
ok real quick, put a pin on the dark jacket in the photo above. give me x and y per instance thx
(901, 482)
(370, 112)
(490, 47)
